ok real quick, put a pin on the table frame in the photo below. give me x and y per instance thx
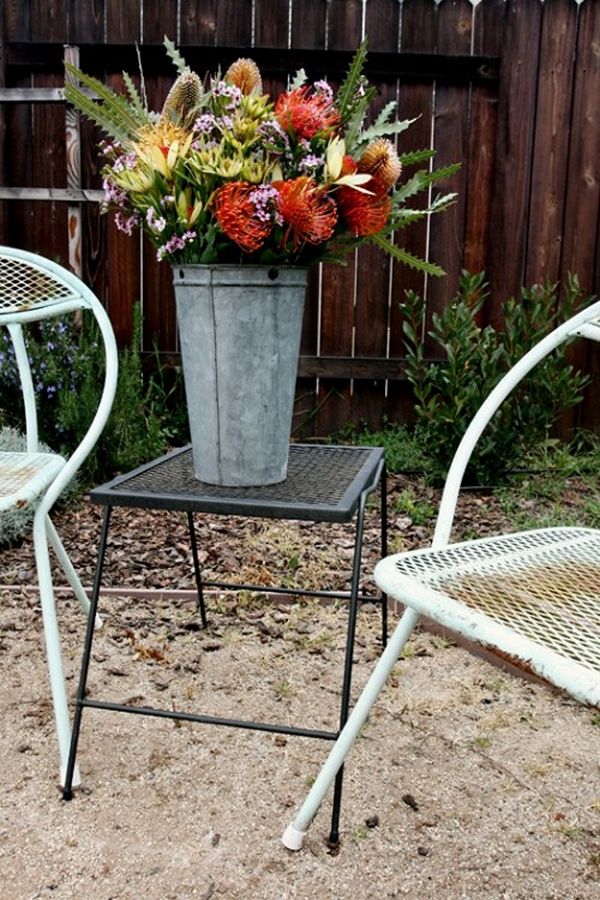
(137, 489)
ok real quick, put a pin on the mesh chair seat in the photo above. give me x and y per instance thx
(533, 595)
(24, 476)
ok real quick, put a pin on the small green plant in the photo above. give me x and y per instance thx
(67, 360)
(420, 512)
(473, 358)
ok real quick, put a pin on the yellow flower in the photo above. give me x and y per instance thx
(187, 210)
(334, 161)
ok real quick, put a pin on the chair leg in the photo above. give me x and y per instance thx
(67, 567)
(293, 836)
(53, 652)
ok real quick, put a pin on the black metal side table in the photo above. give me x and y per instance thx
(324, 484)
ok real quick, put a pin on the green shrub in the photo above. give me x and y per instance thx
(450, 391)
(67, 362)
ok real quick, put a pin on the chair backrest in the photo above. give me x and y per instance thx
(33, 288)
(585, 323)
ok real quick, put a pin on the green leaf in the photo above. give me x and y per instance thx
(347, 92)
(384, 130)
(299, 80)
(405, 257)
(134, 95)
(114, 113)
(175, 56)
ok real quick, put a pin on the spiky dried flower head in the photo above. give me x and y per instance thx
(245, 75)
(181, 105)
(381, 160)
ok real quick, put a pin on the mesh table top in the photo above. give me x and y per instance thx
(323, 484)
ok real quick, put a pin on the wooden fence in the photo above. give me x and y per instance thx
(508, 87)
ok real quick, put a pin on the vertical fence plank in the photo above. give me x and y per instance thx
(17, 21)
(488, 28)
(309, 19)
(382, 25)
(581, 228)
(159, 19)
(516, 117)
(415, 101)
(344, 24)
(4, 208)
(271, 19)
(551, 140)
(451, 124)
(308, 29)
(123, 21)
(86, 22)
(234, 24)
(198, 22)
(49, 20)
(338, 291)
(583, 177)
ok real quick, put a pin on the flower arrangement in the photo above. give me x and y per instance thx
(224, 173)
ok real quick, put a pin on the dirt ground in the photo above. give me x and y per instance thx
(466, 782)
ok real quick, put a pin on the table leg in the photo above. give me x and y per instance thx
(85, 663)
(347, 683)
(384, 551)
(197, 572)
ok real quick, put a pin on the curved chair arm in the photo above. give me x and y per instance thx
(102, 413)
(577, 325)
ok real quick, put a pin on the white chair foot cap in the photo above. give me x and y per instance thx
(76, 782)
(292, 838)
(98, 623)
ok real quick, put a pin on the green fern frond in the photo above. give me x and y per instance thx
(356, 118)
(134, 96)
(421, 180)
(383, 130)
(143, 93)
(415, 156)
(403, 256)
(113, 114)
(298, 80)
(175, 56)
(347, 92)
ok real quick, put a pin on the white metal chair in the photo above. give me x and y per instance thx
(533, 596)
(31, 289)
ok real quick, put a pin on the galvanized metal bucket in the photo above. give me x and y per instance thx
(240, 329)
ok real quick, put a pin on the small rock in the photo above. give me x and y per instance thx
(372, 821)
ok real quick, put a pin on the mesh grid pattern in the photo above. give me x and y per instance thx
(544, 585)
(24, 287)
(23, 476)
(322, 484)
(315, 475)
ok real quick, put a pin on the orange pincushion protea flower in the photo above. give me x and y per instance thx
(236, 214)
(381, 160)
(364, 214)
(310, 216)
(306, 113)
